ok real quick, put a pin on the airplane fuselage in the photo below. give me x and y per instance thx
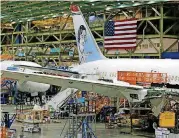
(108, 68)
(93, 61)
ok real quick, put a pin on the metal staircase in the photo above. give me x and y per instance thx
(60, 98)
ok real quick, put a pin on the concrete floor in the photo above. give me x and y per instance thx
(53, 130)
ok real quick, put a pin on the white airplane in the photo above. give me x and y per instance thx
(93, 66)
(25, 86)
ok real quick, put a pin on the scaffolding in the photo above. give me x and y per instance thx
(157, 32)
(81, 125)
(10, 87)
(7, 120)
(82, 119)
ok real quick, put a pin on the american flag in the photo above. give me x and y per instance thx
(120, 34)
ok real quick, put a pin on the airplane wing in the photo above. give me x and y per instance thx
(105, 88)
(60, 72)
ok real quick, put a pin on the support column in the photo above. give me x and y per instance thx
(26, 40)
(161, 30)
(60, 46)
(12, 44)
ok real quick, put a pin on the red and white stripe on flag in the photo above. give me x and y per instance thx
(124, 35)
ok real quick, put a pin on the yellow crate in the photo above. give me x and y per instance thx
(135, 122)
(167, 119)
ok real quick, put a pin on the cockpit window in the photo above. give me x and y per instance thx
(38, 72)
(76, 76)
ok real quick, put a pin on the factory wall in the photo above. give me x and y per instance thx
(146, 46)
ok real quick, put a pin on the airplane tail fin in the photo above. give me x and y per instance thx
(87, 47)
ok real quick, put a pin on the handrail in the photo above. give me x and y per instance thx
(63, 101)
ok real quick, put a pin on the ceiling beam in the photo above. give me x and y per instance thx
(23, 10)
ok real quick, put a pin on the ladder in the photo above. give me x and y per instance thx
(81, 125)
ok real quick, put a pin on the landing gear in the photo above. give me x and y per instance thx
(40, 99)
(20, 97)
(33, 100)
(37, 100)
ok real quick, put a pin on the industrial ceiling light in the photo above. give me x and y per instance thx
(108, 8)
(151, 1)
(136, 4)
(121, 6)
(30, 19)
(54, 16)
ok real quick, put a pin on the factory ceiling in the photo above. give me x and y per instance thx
(22, 11)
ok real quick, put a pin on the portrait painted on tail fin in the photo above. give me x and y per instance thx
(87, 47)
(81, 42)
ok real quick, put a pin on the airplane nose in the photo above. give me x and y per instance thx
(40, 87)
(46, 87)
(43, 87)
